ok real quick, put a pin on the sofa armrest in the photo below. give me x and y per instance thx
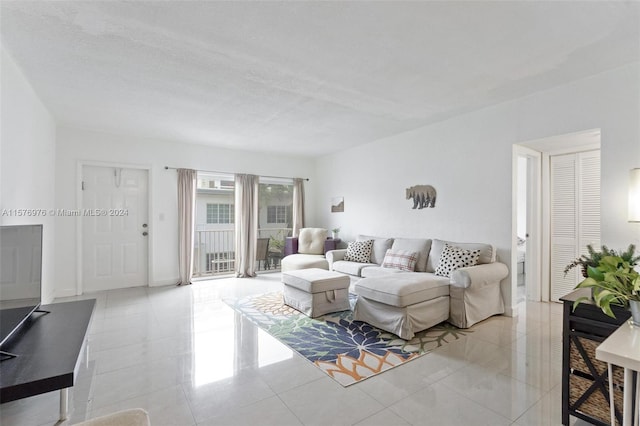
(334, 256)
(479, 275)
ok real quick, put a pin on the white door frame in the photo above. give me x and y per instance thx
(533, 264)
(79, 205)
(584, 140)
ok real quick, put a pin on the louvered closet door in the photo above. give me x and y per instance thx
(575, 215)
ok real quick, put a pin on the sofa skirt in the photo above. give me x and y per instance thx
(402, 321)
(472, 305)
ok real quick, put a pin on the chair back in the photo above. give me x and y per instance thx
(262, 249)
(311, 240)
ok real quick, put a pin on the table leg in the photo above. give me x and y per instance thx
(627, 406)
(637, 421)
(64, 403)
(612, 404)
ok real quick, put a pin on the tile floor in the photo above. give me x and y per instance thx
(186, 357)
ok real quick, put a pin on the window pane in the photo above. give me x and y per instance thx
(212, 213)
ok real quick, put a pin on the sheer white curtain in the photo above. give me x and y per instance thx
(186, 219)
(246, 218)
(298, 205)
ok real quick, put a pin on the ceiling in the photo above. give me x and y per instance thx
(303, 78)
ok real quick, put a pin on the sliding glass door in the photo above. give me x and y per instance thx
(214, 239)
(275, 220)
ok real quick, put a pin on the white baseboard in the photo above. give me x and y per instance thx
(162, 283)
(65, 292)
(510, 312)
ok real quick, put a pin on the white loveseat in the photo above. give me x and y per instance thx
(474, 291)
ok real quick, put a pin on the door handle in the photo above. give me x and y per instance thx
(144, 225)
(145, 233)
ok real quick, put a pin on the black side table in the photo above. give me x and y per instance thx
(585, 381)
(48, 348)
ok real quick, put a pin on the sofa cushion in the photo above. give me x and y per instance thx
(487, 252)
(403, 289)
(453, 258)
(359, 251)
(380, 247)
(351, 268)
(378, 271)
(311, 240)
(403, 260)
(419, 245)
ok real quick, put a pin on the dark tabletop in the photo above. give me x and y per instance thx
(48, 348)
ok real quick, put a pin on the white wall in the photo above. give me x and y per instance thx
(468, 160)
(77, 145)
(27, 158)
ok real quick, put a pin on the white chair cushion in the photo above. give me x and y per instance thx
(303, 261)
(311, 240)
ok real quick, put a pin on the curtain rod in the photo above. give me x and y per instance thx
(229, 173)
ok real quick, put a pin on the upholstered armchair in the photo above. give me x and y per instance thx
(307, 250)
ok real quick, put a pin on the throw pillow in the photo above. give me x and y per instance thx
(359, 251)
(403, 260)
(453, 258)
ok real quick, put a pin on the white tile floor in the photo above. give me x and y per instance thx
(186, 357)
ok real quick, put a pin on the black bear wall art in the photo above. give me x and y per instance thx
(423, 196)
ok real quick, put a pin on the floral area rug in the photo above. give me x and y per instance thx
(349, 351)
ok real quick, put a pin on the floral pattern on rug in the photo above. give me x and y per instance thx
(348, 351)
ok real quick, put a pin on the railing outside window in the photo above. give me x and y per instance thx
(214, 250)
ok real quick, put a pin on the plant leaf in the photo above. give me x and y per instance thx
(595, 273)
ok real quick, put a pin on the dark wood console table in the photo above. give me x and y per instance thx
(585, 381)
(48, 348)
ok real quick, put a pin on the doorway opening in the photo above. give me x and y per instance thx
(556, 207)
(526, 259)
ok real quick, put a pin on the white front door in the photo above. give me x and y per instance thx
(114, 228)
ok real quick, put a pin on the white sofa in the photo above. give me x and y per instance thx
(474, 291)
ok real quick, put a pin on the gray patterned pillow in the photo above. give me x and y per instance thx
(453, 258)
(359, 251)
(403, 260)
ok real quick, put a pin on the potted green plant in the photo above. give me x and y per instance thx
(593, 258)
(614, 282)
(276, 242)
(335, 232)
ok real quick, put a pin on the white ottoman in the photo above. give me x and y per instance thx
(402, 304)
(316, 292)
